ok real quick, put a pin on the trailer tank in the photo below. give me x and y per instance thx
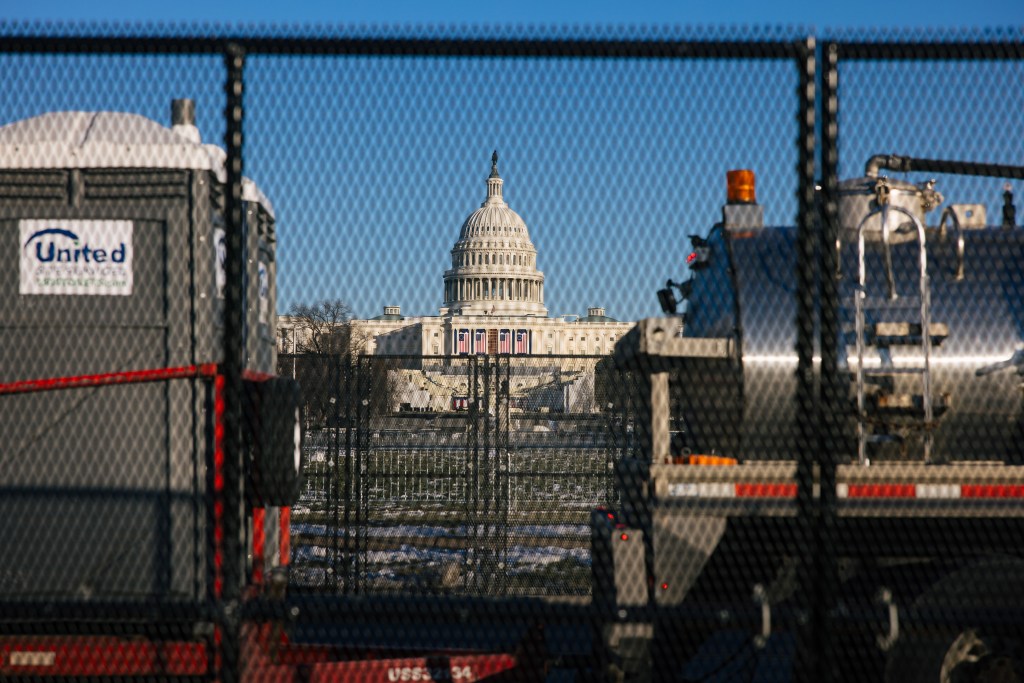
(743, 288)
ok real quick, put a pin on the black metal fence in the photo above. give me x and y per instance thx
(485, 487)
(149, 272)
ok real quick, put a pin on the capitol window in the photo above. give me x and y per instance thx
(284, 339)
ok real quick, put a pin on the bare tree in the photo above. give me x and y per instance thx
(322, 328)
(383, 385)
(323, 348)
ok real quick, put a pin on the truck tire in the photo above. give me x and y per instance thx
(962, 652)
(278, 461)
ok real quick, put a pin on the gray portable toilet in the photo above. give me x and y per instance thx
(111, 225)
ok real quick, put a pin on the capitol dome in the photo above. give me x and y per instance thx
(494, 263)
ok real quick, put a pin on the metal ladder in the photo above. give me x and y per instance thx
(885, 334)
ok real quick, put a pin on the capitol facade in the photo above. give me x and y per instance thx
(493, 304)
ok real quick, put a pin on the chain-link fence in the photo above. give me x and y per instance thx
(341, 356)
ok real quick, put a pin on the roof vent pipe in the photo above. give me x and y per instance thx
(183, 120)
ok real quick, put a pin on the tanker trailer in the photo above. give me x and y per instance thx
(698, 569)
(111, 401)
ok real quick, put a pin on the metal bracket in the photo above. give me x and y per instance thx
(886, 641)
(882, 191)
(761, 598)
(1016, 360)
(959, 244)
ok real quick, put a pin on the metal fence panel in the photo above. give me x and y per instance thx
(807, 468)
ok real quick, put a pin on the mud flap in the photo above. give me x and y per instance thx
(276, 436)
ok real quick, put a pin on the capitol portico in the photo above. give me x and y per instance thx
(493, 303)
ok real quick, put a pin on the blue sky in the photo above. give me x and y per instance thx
(896, 14)
(373, 163)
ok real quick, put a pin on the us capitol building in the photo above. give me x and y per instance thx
(493, 304)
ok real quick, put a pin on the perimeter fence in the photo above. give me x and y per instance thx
(849, 349)
(470, 475)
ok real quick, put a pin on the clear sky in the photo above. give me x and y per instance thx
(372, 164)
(895, 14)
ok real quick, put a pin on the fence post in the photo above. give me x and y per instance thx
(233, 360)
(812, 654)
(349, 423)
(334, 467)
(474, 445)
(829, 440)
(364, 374)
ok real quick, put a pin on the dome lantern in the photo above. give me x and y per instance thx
(494, 183)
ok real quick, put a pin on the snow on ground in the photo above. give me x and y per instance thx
(424, 531)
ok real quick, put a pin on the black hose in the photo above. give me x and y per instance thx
(902, 164)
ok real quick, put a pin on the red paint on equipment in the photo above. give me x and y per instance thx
(184, 659)
(259, 540)
(992, 491)
(765, 490)
(456, 669)
(881, 491)
(218, 486)
(28, 386)
(254, 376)
(286, 536)
(80, 656)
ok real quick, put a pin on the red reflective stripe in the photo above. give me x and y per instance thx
(481, 666)
(992, 491)
(218, 485)
(184, 658)
(881, 491)
(80, 656)
(765, 490)
(253, 376)
(129, 377)
(286, 536)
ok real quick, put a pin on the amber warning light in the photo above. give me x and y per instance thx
(742, 188)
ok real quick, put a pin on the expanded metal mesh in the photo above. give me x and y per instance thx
(802, 464)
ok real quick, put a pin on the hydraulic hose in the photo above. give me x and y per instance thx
(903, 164)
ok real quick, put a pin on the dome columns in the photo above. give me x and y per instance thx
(469, 289)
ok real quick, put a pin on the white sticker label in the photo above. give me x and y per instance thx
(33, 658)
(220, 244)
(75, 257)
(264, 285)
